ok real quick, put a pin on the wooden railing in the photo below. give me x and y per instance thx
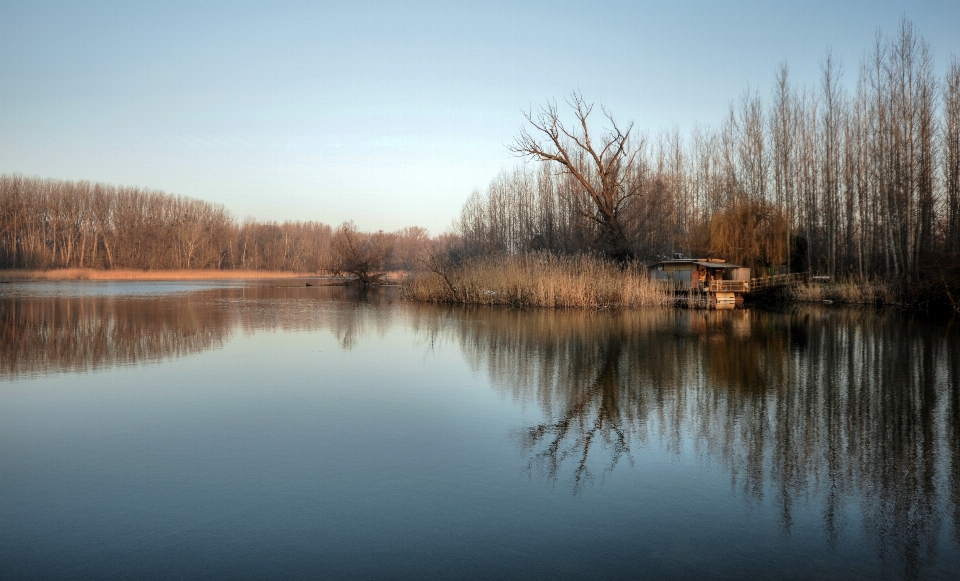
(754, 284)
(729, 286)
(735, 286)
(765, 282)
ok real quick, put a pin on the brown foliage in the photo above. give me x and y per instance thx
(751, 233)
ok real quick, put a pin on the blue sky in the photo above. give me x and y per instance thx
(389, 114)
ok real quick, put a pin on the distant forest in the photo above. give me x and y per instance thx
(46, 223)
(859, 183)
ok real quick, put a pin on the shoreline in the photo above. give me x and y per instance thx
(131, 274)
(134, 274)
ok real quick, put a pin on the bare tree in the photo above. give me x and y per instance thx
(361, 255)
(830, 142)
(409, 247)
(951, 98)
(601, 168)
(782, 122)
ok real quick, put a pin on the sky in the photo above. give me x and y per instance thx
(385, 113)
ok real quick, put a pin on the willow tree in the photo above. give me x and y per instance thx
(603, 165)
(750, 232)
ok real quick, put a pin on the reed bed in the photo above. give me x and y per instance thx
(846, 291)
(132, 274)
(539, 280)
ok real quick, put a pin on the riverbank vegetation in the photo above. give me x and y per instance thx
(848, 291)
(539, 279)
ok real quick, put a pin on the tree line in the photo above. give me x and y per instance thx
(860, 182)
(47, 223)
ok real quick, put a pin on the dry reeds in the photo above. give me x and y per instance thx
(539, 280)
(846, 291)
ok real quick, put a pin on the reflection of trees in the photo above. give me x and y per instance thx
(847, 406)
(953, 436)
(597, 401)
(576, 379)
(43, 334)
(349, 312)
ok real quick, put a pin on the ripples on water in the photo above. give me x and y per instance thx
(843, 425)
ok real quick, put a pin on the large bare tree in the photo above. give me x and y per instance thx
(603, 167)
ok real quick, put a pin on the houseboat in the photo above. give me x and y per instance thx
(710, 279)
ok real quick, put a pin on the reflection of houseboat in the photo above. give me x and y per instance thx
(712, 279)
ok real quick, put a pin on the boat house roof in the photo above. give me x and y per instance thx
(709, 263)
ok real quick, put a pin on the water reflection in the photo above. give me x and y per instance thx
(84, 333)
(834, 407)
(44, 333)
(847, 411)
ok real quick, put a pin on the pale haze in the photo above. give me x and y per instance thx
(389, 114)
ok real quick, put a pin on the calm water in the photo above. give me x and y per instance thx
(159, 430)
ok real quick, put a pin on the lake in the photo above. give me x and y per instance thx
(230, 430)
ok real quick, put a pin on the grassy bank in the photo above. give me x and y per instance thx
(130, 274)
(849, 291)
(926, 295)
(538, 280)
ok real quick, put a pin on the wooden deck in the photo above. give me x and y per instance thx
(728, 286)
(752, 285)
(729, 292)
(771, 282)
